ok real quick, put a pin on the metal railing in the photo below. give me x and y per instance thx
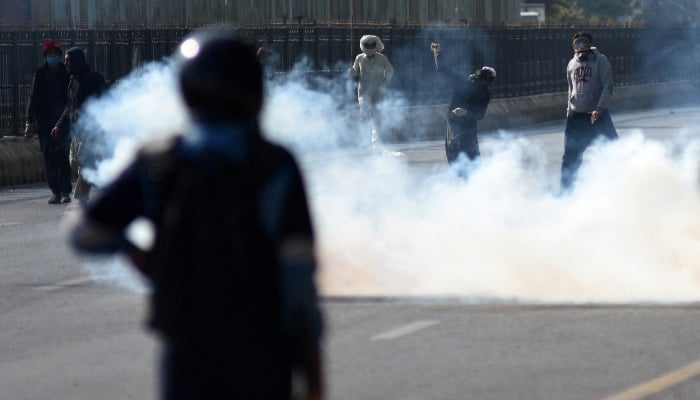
(529, 60)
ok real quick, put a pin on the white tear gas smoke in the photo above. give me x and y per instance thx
(630, 232)
(141, 107)
(116, 271)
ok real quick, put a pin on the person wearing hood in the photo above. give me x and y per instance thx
(84, 83)
(47, 101)
(232, 265)
(590, 80)
(470, 99)
(373, 71)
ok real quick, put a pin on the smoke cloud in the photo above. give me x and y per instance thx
(630, 232)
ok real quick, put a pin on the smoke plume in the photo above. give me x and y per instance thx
(630, 232)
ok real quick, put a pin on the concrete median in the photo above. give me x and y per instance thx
(21, 161)
(425, 123)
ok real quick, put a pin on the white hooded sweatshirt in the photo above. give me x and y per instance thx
(373, 68)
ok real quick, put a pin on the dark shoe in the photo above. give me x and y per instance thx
(65, 198)
(54, 199)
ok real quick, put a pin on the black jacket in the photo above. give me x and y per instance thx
(82, 85)
(48, 96)
(468, 94)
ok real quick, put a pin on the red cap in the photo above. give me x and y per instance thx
(51, 44)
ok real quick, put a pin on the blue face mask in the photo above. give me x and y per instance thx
(52, 60)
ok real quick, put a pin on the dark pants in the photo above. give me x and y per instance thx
(461, 138)
(58, 171)
(221, 369)
(578, 135)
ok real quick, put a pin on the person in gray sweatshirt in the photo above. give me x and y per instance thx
(590, 80)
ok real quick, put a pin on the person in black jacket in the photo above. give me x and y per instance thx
(470, 99)
(84, 83)
(47, 101)
(232, 267)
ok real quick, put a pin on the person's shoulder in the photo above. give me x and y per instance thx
(159, 147)
(159, 157)
(273, 156)
(598, 54)
(96, 77)
(43, 71)
(63, 70)
(275, 150)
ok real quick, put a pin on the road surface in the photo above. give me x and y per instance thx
(70, 332)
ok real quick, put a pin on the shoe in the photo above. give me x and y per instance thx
(54, 199)
(65, 198)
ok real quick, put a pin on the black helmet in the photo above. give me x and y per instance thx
(484, 74)
(220, 77)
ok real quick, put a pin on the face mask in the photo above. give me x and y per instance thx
(581, 44)
(52, 60)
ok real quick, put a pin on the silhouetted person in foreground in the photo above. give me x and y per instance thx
(232, 267)
(47, 100)
(84, 83)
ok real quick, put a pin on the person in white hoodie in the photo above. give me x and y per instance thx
(374, 71)
(590, 80)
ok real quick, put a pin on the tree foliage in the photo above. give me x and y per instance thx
(588, 11)
(670, 11)
(611, 11)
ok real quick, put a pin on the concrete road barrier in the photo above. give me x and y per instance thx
(425, 123)
(21, 160)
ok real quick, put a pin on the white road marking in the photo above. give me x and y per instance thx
(64, 284)
(10, 223)
(659, 384)
(404, 330)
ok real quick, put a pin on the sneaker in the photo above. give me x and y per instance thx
(65, 198)
(54, 199)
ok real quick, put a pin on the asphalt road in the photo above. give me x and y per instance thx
(67, 333)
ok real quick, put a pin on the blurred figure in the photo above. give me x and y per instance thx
(47, 101)
(269, 60)
(84, 83)
(232, 267)
(374, 71)
(587, 117)
(470, 99)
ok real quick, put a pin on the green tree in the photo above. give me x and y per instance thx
(587, 11)
(670, 11)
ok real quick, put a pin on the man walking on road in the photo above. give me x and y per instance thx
(47, 100)
(590, 80)
(84, 83)
(373, 71)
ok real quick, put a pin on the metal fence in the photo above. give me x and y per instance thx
(529, 60)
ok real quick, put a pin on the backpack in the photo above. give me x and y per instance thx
(212, 261)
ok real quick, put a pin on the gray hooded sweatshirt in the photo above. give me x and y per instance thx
(590, 82)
